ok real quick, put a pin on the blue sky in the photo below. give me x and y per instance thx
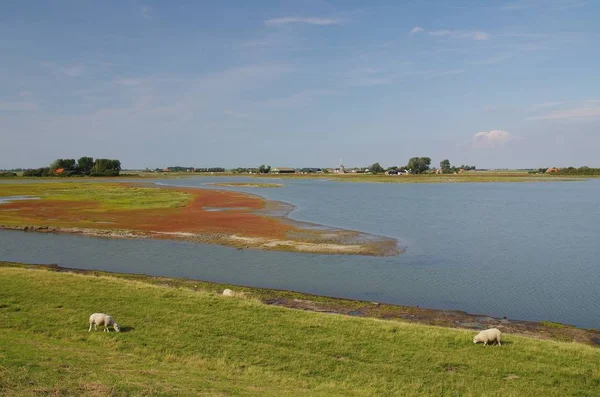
(237, 83)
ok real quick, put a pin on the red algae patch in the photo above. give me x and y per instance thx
(242, 220)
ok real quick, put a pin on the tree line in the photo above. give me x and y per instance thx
(568, 171)
(178, 168)
(419, 165)
(85, 166)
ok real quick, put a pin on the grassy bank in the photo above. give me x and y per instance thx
(468, 177)
(186, 342)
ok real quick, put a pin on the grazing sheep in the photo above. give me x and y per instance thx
(488, 336)
(97, 319)
(227, 292)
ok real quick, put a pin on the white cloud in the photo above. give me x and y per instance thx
(490, 139)
(459, 34)
(416, 30)
(18, 106)
(146, 12)
(309, 21)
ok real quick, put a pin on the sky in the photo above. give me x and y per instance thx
(497, 84)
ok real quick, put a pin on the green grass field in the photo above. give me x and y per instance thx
(182, 342)
(108, 195)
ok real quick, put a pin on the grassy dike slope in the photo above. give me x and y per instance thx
(181, 342)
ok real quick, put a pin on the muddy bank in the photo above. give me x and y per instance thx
(375, 248)
(323, 304)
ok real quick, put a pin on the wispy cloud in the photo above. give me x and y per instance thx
(237, 115)
(491, 139)
(146, 12)
(460, 34)
(492, 60)
(369, 77)
(416, 30)
(555, 5)
(588, 110)
(296, 100)
(18, 106)
(303, 20)
(544, 105)
(73, 70)
(129, 82)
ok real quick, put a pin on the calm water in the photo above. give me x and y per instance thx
(526, 251)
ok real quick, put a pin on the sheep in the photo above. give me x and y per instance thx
(488, 336)
(105, 320)
(227, 292)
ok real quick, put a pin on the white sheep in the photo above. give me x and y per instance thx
(227, 292)
(97, 319)
(488, 336)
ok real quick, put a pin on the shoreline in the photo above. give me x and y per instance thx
(226, 240)
(341, 306)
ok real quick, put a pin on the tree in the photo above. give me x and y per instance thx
(66, 164)
(418, 165)
(85, 165)
(106, 167)
(445, 167)
(376, 169)
(264, 169)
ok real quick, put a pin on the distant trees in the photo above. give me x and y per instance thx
(376, 169)
(210, 169)
(38, 172)
(445, 166)
(85, 165)
(264, 169)
(418, 165)
(579, 171)
(82, 167)
(178, 168)
(106, 167)
(67, 167)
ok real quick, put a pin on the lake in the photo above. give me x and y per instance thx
(522, 250)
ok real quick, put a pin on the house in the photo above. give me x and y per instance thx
(59, 171)
(283, 170)
(552, 170)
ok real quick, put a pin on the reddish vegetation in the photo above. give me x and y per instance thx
(241, 219)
